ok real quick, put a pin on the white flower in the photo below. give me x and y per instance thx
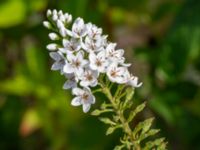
(92, 45)
(68, 17)
(52, 47)
(72, 45)
(131, 80)
(93, 31)
(75, 63)
(78, 28)
(71, 82)
(115, 73)
(98, 62)
(114, 55)
(83, 97)
(89, 78)
(59, 61)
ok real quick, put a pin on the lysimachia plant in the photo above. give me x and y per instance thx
(90, 63)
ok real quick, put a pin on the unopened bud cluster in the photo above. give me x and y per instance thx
(82, 53)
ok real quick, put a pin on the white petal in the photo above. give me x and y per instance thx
(57, 66)
(84, 83)
(76, 101)
(55, 56)
(93, 66)
(92, 99)
(68, 68)
(84, 62)
(69, 84)
(77, 91)
(70, 57)
(92, 57)
(79, 55)
(135, 84)
(94, 83)
(86, 107)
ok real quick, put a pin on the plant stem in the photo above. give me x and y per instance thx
(122, 118)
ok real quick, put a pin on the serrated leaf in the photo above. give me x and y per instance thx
(138, 109)
(96, 112)
(152, 144)
(149, 133)
(110, 130)
(147, 125)
(129, 94)
(143, 127)
(107, 121)
(105, 105)
(119, 147)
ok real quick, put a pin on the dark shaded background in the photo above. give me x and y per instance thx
(161, 39)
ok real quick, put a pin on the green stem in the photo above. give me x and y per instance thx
(122, 118)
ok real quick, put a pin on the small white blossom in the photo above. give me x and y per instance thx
(131, 80)
(72, 45)
(115, 73)
(114, 55)
(83, 97)
(93, 31)
(92, 45)
(89, 78)
(68, 17)
(78, 28)
(75, 63)
(98, 62)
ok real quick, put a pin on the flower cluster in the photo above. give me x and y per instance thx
(82, 54)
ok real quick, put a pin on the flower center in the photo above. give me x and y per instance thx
(85, 96)
(89, 77)
(113, 73)
(98, 62)
(76, 63)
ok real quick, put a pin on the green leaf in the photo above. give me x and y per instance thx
(96, 112)
(129, 93)
(149, 133)
(143, 126)
(110, 130)
(119, 147)
(107, 121)
(138, 109)
(158, 142)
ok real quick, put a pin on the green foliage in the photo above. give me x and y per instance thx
(134, 137)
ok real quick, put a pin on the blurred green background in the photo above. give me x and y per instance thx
(161, 39)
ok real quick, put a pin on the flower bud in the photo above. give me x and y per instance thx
(53, 36)
(52, 46)
(49, 13)
(47, 24)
